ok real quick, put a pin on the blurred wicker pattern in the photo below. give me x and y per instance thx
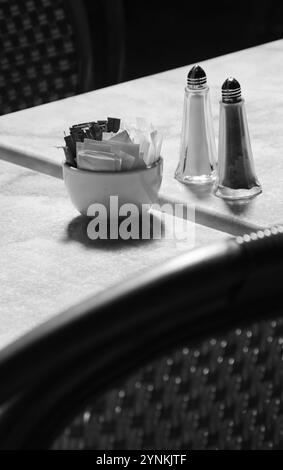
(37, 55)
(226, 394)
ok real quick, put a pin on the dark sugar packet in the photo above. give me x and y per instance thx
(113, 125)
(88, 130)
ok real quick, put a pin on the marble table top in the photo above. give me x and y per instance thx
(47, 261)
(30, 137)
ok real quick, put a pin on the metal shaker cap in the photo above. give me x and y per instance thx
(231, 91)
(196, 77)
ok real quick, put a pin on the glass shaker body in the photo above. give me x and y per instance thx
(236, 173)
(198, 151)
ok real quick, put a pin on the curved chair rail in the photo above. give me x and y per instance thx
(80, 23)
(48, 375)
(101, 48)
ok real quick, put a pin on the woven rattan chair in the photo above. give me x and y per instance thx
(48, 50)
(188, 356)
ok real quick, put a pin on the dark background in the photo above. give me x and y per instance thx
(160, 35)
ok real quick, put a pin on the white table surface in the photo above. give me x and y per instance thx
(47, 261)
(160, 98)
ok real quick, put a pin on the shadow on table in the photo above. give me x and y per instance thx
(239, 207)
(200, 191)
(79, 228)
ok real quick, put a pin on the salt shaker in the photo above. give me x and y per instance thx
(197, 162)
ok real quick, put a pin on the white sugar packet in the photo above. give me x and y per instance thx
(98, 161)
(143, 133)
